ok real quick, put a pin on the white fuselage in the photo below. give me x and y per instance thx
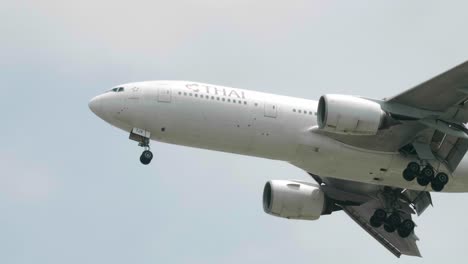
(252, 123)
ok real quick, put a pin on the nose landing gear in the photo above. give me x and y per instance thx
(147, 155)
(425, 176)
(143, 139)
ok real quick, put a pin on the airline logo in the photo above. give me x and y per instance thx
(215, 90)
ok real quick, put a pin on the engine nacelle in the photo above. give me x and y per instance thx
(294, 200)
(344, 114)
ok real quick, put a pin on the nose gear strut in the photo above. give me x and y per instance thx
(143, 138)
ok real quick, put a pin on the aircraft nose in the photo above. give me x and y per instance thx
(96, 105)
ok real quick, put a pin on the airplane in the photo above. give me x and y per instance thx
(376, 160)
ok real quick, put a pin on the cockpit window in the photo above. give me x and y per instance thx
(117, 89)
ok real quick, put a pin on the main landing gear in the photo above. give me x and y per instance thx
(392, 222)
(425, 176)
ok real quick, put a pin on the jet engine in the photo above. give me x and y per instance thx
(294, 200)
(344, 114)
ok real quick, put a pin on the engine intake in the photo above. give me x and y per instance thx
(294, 200)
(350, 115)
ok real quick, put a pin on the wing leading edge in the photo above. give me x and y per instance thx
(439, 93)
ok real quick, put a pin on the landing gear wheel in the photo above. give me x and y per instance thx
(411, 171)
(380, 214)
(378, 218)
(414, 167)
(406, 228)
(389, 228)
(409, 175)
(428, 172)
(423, 180)
(442, 178)
(374, 222)
(439, 182)
(437, 187)
(426, 176)
(394, 220)
(146, 157)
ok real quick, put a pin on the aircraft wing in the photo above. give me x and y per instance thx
(432, 113)
(360, 200)
(391, 241)
(439, 94)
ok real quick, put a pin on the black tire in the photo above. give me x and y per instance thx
(408, 224)
(144, 160)
(376, 223)
(389, 228)
(423, 180)
(147, 155)
(437, 187)
(428, 172)
(394, 220)
(403, 233)
(442, 178)
(409, 175)
(380, 215)
(414, 167)
(406, 228)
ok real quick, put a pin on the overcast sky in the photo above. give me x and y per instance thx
(72, 189)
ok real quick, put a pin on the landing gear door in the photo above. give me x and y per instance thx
(164, 94)
(271, 110)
